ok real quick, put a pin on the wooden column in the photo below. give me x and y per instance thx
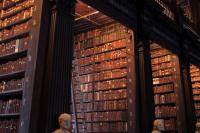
(33, 84)
(187, 89)
(143, 67)
(145, 87)
(57, 85)
(186, 103)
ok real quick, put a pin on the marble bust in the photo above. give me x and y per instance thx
(158, 125)
(64, 123)
(197, 127)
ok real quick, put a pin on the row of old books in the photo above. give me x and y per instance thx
(15, 30)
(100, 40)
(163, 72)
(100, 37)
(9, 125)
(13, 84)
(163, 80)
(165, 98)
(165, 111)
(103, 95)
(100, 31)
(103, 105)
(102, 66)
(106, 116)
(163, 88)
(162, 59)
(14, 46)
(103, 86)
(13, 66)
(103, 75)
(163, 65)
(102, 48)
(10, 106)
(97, 58)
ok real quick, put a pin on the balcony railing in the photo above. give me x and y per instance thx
(168, 9)
(184, 9)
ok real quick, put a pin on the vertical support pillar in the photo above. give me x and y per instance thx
(145, 87)
(187, 89)
(57, 86)
(144, 72)
(186, 94)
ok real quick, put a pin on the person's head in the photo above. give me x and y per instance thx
(64, 121)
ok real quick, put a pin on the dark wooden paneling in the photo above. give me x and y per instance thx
(187, 88)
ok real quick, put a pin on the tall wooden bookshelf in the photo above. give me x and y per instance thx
(165, 87)
(102, 58)
(15, 26)
(195, 79)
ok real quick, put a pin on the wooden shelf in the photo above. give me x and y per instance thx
(164, 92)
(10, 115)
(165, 104)
(166, 117)
(110, 89)
(161, 76)
(166, 83)
(20, 35)
(13, 55)
(161, 62)
(11, 75)
(11, 92)
(106, 110)
(105, 80)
